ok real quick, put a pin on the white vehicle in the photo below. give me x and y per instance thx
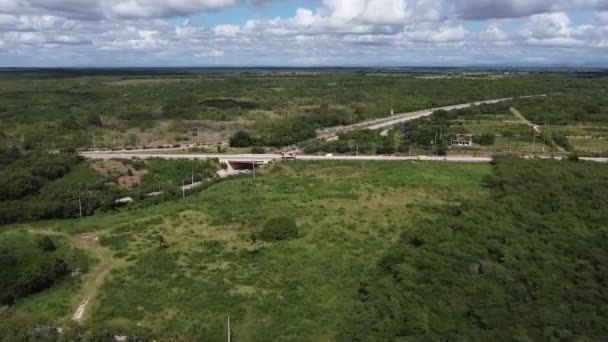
(329, 155)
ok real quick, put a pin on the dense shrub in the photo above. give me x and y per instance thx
(241, 139)
(528, 263)
(28, 265)
(258, 150)
(280, 228)
(486, 139)
(561, 139)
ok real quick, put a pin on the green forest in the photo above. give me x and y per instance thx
(527, 264)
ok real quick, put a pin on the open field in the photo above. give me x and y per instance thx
(348, 214)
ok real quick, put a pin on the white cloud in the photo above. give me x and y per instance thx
(486, 9)
(213, 54)
(340, 31)
(551, 25)
(226, 30)
(493, 33)
(435, 34)
(163, 8)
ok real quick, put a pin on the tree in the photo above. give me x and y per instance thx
(241, 139)
(279, 229)
(162, 243)
(486, 139)
(442, 150)
(258, 150)
(94, 120)
(70, 123)
(46, 244)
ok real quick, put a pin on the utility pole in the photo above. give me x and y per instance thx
(192, 176)
(435, 138)
(229, 333)
(357, 153)
(80, 206)
(544, 143)
(253, 164)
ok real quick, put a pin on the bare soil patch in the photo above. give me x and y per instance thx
(106, 167)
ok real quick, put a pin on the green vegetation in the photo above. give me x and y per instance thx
(36, 185)
(347, 215)
(315, 251)
(529, 263)
(279, 229)
(31, 263)
(385, 251)
(65, 110)
(433, 134)
(576, 121)
(580, 105)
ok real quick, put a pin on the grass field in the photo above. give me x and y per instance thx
(348, 215)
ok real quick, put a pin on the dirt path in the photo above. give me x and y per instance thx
(536, 128)
(96, 276)
(523, 119)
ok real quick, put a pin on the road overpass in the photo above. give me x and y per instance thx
(246, 160)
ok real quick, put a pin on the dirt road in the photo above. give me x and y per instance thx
(95, 277)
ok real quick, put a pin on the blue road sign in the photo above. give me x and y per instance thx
(406, 128)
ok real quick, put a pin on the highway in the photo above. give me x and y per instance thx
(331, 133)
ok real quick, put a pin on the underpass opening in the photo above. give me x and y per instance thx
(240, 165)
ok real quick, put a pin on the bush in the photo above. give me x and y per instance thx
(442, 150)
(279, 229)
(486, 139)
(46, 244)
(241, 139)
(258, 150)
(573, 158)
(562, 140)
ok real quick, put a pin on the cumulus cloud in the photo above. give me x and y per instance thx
(163, 8)
(488, 9)
(104, 9)
(334, 32)
(226, 30)
(210, 54)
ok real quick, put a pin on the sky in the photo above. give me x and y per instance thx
(303, 33)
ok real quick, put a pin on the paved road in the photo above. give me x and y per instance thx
(264, 158)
